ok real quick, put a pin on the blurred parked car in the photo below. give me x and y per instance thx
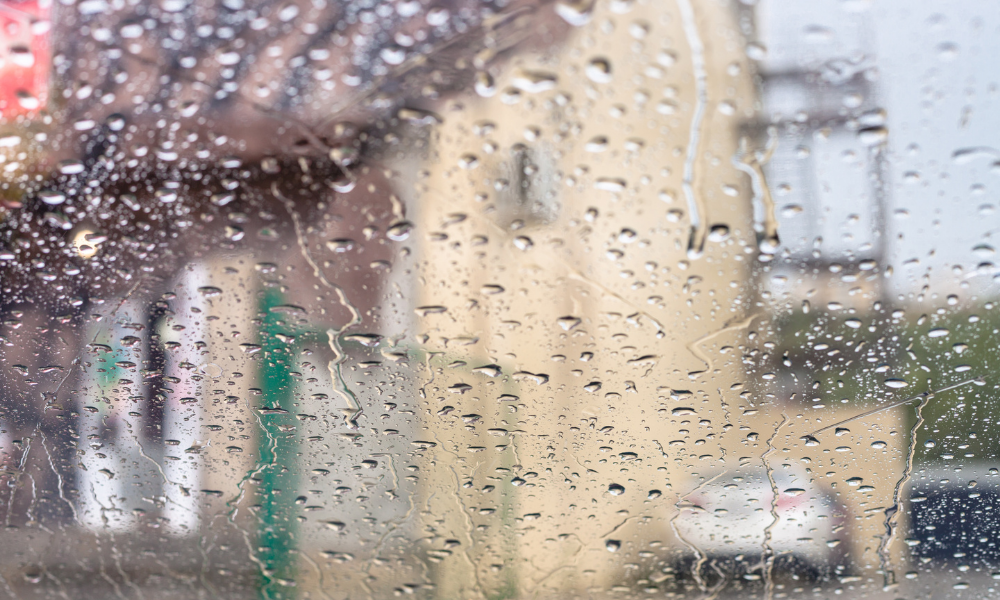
(736, 522)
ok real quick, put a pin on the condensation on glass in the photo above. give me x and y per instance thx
(328, 299)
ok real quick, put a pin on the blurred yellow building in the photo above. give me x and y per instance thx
(586, 359)
(585, 371)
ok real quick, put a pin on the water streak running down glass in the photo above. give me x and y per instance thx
(499, 299)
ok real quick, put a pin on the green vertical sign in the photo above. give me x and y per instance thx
(277, 448)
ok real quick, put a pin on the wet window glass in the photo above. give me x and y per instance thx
(499, 299)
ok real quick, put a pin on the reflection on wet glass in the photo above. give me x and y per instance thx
(497, 299)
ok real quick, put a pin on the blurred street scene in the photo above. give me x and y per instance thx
(498, 299)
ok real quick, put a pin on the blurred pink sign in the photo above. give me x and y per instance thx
(24, 56)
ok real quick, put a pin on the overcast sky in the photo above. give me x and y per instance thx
(935, 70)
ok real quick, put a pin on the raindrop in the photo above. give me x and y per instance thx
(233, 233)
(666, 107)
(596, 144)
(341, 245)
(947, 51)
(222, 199)
(756, 51)
(27, 101)
(598, 70)
(468, 161)
(616, 489)
(21, 56)
(610, 184)
(873, 136)
(437, 17)
(718, 233)
(71, 167)
(575, 12)
(393, 56)
(568, 323)
(790, 210)
(166, 195)
(398, 232)
(418, 117)
(52, 197)
(334, 525)
(534, 82)
(485, 85)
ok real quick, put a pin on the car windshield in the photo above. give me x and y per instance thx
(499, 299)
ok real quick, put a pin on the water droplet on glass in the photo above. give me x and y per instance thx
(52, 197)
(610, 184)
(873, 136)
(166, 195)
(399, 232)
(468, 161)
(71, 167)
(597, 144)
(756, 51)
(598, 70)
(568, 323)
(718, 233)
(418, 117)
(484, 85)
(233, 233)
(393, 55)
(341, 245)
(534, 82)
(575, 12)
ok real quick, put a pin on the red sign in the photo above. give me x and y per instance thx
(24, 56)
